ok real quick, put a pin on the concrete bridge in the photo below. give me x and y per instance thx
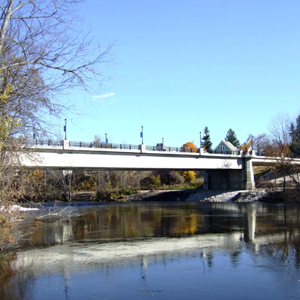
(222, 170)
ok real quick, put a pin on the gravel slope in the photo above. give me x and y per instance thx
(200, 195)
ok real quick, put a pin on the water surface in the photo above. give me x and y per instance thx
(156, 250)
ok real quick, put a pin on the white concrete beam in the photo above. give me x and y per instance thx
(116, 159)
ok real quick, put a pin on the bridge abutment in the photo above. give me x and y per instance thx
(226, 179)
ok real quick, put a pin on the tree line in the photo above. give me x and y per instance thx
(283, 138)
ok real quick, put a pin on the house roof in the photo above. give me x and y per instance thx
(228, 144)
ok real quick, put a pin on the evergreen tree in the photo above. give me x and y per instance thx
(206, 140)
(231, 137)
(295, 137)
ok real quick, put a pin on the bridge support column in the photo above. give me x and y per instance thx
(231, 179)
(249, 182)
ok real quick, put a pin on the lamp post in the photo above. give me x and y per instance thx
(33, 130)
(106, 140)
(142, 134)
(200, 140)
(65, 129)
(163, 140)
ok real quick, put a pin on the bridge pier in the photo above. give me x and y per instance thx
(249, 182)
(226, 179)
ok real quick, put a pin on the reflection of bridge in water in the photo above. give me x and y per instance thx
(92, 241)
(109, 224)
(232, 170)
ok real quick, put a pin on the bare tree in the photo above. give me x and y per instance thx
(287, 187)
(42, 53)
(260, 142)
(279, 128)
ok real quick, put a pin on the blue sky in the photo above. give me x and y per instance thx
(182, 65)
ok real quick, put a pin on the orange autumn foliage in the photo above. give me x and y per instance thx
(189, 147)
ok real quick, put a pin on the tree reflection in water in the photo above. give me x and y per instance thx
(192, 240)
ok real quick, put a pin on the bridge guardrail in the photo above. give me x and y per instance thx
(158, 147)
(224, 152)
(48, 143)
(113, 146)
(104, 145)
(171, 149)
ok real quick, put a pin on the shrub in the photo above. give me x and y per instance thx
(155, 181)
(169, 177)
(188, 175)
(146, 182)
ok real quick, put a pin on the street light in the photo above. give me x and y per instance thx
(106, 140)
(65, 129)
(142, 135)
(33, 130)
(200, 140)
(163, 140)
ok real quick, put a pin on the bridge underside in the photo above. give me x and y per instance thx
(223, 172)
(227, 179)
(231, 179)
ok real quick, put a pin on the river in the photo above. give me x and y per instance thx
(155, 251)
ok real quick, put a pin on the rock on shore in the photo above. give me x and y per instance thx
(200, 195)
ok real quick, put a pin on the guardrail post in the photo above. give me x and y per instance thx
(66, 144)
(201, 151)
(142, 148)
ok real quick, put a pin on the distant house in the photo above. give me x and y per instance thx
(226, 148)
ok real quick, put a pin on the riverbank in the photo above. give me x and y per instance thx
(191, 195)
(200, 195)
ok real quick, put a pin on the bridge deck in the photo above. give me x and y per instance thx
(57, 157)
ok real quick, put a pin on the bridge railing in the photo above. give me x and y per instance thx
(104, 145)
(114, 146)
(171, 149)
(158, 147)
(48, 143)
(224, 152)
(259, 153)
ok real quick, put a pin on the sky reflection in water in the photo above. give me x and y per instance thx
(162, 251)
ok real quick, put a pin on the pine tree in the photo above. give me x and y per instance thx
(231, 137)
(206, 140)
(295, 137)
